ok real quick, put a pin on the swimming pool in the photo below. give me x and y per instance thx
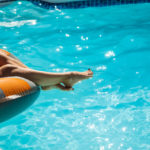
(110, 111)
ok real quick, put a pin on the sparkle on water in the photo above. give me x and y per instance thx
(110, 111)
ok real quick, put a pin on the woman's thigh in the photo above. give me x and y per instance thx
(11, 59)
(8, 54)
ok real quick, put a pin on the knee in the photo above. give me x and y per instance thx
(7, 70)
(3, 59)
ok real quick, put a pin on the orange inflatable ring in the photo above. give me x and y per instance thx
(16, 94)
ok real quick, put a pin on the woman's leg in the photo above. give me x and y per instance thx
(12, 66)
(63, 81)
(12, 59)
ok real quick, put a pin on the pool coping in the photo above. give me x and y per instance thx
(84, 4)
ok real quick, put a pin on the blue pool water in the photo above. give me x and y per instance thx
(111, 111)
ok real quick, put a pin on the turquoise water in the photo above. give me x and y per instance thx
(110, 111)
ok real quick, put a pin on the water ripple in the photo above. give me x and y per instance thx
(17, 23)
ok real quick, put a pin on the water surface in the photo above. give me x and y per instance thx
(110, 111)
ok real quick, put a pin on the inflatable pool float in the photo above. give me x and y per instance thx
(16, 94)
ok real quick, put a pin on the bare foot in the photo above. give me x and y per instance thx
(72, 79)
(75, 77)
(58, 86)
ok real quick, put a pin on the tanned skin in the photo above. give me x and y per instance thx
(11, 66)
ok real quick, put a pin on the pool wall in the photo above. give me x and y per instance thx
(85, 3)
